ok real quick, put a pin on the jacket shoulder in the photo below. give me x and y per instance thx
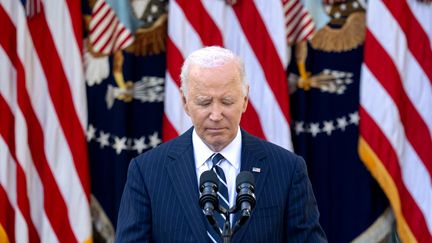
(270, 148)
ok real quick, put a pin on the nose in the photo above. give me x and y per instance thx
(216, 114)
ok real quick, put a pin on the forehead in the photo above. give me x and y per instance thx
(226, 75)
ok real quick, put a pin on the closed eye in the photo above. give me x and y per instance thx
(204, 104)
(203, 100)
(228, 101)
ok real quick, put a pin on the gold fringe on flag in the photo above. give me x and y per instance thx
(3, 235)
(385, 180)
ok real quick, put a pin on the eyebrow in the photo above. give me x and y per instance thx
(203, 98)
(228, 98)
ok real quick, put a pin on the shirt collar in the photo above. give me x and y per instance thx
(232, 152)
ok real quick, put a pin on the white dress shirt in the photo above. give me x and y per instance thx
(230, 166)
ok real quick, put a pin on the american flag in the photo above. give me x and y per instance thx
(44, 181)
(107, 33)
(254, 30)
(299, 25)
(396, 110)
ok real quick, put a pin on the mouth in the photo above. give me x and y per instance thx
(215, 129)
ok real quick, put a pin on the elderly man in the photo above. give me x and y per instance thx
(160, 199)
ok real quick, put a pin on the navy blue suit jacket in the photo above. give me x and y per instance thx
(160, 198)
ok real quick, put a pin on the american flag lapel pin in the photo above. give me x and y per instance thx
(256, 169)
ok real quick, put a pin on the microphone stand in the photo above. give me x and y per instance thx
(227, 232)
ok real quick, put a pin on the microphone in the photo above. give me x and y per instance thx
(208, 188)
(245, 186)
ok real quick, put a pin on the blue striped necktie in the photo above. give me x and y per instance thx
(217, 159)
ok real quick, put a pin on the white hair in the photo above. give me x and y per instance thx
(209, 57)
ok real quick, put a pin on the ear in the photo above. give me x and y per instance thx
(184, 102)
(246, 99)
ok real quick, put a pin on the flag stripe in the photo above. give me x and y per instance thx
(102, 40)
(100, 34)
(60, 93)
(178, 118)
(99, 17)
(292, 10)
(415, 175)
(7, 219)
(169, 131)
(419, 10)
(384, 150)
(414, 79)
(416, 83)
(175, 63)
(389, 78)
(27, 171)
(69, 50)
(98, 6)
(7, 125)
(24, 178)
(274, 22)
(201, 22)
(6, 132)
(50, 145)
(396, 96)
(297, 29)
(75, 15)
(293, 18)
(54, 205)
(174, 118)
(15, 223)
(250, 122)
(125, 39)
(117, 33)
(417, 39)
(7, 180)
(182, 34)
(265, 52)
(307, 29)
(64, 127)
(109, 43)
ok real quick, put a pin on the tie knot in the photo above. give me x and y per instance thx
(217, 157)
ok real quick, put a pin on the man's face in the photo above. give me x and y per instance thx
(215, 102)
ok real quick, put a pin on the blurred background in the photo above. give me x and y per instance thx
(85, 86)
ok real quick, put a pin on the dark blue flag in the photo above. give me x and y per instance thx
(324, 105)
(125, 92)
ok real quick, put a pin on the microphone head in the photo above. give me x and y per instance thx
(208, 176)
(244, 177)
(208, 187)
(245, 201)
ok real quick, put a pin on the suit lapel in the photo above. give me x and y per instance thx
(252, 160)
(183, 177)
